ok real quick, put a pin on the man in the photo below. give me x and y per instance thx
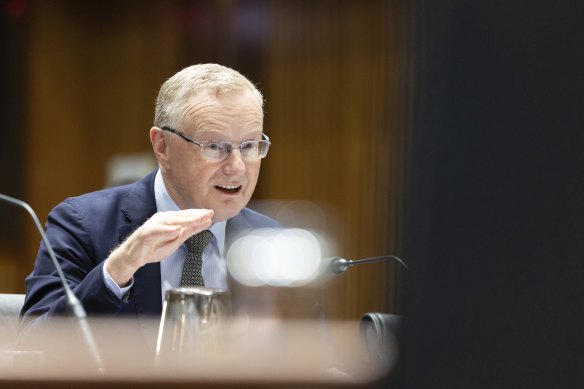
(121, 248)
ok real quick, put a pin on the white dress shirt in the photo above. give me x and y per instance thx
(214, 268)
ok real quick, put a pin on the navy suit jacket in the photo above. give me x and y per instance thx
(84, 230)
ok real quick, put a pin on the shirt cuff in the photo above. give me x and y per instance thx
(120, 293)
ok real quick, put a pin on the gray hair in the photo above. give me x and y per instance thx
(178, 89)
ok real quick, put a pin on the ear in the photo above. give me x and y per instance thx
(159, 145)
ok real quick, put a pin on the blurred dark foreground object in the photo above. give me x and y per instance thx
(379, 332)
(495, 210)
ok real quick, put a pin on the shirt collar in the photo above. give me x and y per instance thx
(165, 203)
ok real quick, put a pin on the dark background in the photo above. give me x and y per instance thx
(495, 197)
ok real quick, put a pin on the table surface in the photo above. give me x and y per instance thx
(244, 352)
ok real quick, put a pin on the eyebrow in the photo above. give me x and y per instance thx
(209, 133)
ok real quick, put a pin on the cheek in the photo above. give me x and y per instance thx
(200, 178)
(253, 173)
(195, 177)
(253, 170)
(182, 162)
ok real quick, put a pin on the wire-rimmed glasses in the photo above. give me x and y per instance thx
(217, 151)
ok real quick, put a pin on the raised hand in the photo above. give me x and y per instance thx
(156, 239)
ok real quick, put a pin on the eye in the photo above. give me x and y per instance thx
(248, 145)
(215, 146)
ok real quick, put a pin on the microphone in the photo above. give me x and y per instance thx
(340, 265)
(74, 306)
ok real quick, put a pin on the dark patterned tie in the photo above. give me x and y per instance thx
(191, 275)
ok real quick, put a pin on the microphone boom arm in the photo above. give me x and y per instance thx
(73, 304)
(340, 265)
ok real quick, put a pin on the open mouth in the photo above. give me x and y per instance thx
(231, 189)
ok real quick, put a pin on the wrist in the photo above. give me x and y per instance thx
(119, 271)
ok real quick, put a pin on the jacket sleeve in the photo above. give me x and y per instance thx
(68, 231)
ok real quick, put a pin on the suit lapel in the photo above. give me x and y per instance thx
(138, 206)
(235, 228)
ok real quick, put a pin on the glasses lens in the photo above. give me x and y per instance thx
(263, 147)
(216, 151)
(250, 150)
(254, 149)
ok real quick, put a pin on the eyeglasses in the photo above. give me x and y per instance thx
(217, 151)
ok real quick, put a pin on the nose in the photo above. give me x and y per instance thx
(234, 163)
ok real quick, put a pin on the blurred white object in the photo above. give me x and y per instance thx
(126, 168)
(276, 257)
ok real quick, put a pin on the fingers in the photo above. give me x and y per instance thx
(159, 237)
(155, 240)
(188, 222)
(185, 218)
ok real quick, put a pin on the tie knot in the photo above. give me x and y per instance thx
(199, 241)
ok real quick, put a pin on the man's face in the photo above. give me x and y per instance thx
(193, 182)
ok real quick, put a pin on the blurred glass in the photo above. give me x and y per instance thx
(189, 316)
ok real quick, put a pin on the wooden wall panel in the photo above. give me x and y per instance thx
(13, 32)
(94, 71)
(333, 74)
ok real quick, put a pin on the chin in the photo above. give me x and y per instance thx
(225, 210)
(225, 215)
